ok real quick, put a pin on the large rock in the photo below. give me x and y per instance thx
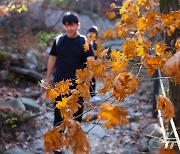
(14, 103)
(154, 130)
(154, 146)
(30, 104)
(97, 130)
(16, 150)
(37, 146)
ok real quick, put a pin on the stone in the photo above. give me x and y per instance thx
(144, 144)
(14, 103)
(4, 74)
(97, 130)
(154, 146)
(154, 130)
(16, 150)
(37, 145)
(30, 104)
(131, 151)
(146, 108)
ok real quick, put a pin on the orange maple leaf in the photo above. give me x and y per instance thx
(51, 95)
(62, 87)
(124, 84)
(110, 15)
(52, 140)
(166, 151)
(172, 67)
(165, 104)
(86, 46)
(113, 6)
(113, 115)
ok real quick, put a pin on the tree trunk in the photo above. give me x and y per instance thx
(174, 89)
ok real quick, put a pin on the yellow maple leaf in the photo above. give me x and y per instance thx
(113, 6)
(160, 48)
(115, 55)
(83, 91)
(110, 15)
(107, 86)
(119, 67)
(178, 44)
(171, 30)
(51, 95)
(129, 48)
(83, 76)
(113, 115)
(86, 47)
(166, 105)
(62, 87)
(88, 117)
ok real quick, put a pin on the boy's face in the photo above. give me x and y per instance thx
(71, 29)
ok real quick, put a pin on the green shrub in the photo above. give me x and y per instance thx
(45, 38)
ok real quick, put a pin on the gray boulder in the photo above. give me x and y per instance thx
(14, 103)
(153, 130)
(30, 104)
(98, 131)
(16, 150)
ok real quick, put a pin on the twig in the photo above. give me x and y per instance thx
(139, 71)
(98, 120)
(91, 108)
(93, 126)
(155, 78)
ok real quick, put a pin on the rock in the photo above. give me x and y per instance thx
(146, 108)
(4, 74)
(93, 115)
(30, 104)
(20, 137)
(32, 61)
(144, 144)
(37, 145)
(154, 146)
(16, 150)
(154, 130)
(14, 103)
(97, 130)
(131, 151)
(27, 72)
(135, 126)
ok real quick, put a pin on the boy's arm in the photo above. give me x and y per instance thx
(50, 67)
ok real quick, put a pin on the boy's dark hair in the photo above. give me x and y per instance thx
(93, 29)
(70, 18)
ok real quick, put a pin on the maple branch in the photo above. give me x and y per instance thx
(98, 120)
(93, 126)
(91, 108)
(140, 109)
(139, 71)
(155, 78)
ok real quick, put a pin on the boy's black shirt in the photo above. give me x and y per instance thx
(70, 57)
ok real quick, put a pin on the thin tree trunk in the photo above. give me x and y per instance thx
(174, 89)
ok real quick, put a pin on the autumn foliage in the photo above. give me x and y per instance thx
(113, 70)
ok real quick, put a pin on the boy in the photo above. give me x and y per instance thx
(66, 56)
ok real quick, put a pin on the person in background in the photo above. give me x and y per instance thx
(92, 33)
